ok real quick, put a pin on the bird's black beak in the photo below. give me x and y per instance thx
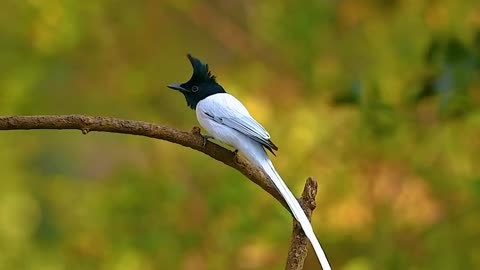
(177, 86)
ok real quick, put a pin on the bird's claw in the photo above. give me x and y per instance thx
(235, 155)
(205, 139)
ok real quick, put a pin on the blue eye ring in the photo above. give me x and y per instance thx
(195, 88)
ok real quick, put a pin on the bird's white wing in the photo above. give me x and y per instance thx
(236, 116)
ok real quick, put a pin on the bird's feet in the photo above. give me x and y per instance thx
(205, 139)
(235, 155)
(196, 131)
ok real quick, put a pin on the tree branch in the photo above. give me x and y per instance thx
(193, 139)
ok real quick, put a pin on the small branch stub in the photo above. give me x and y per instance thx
(299, 241)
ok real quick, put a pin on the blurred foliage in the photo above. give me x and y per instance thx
(379, 100)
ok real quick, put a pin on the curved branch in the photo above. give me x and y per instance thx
(192, 140)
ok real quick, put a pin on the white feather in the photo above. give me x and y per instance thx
(227, 120)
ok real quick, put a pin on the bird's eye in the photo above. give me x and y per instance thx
(195, 88)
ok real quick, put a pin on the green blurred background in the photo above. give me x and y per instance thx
(378, 100)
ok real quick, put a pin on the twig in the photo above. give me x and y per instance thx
(192, 140)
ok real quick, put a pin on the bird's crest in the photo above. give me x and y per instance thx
(200, 70)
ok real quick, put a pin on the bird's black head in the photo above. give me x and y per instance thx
(201, 85)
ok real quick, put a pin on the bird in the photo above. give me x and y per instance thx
(227, 120)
